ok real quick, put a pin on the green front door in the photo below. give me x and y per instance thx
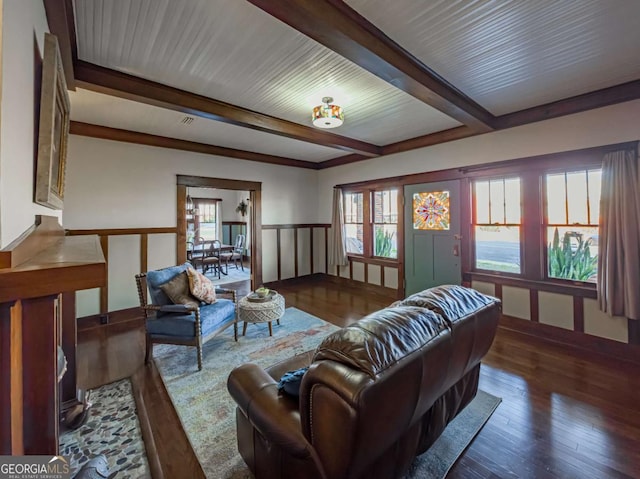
(432, 235)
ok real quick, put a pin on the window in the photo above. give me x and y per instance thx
(371, 222)
(572, 216)
(353, 221)
(496, 224)
(205, 219)
(385, 223)
(431, 211)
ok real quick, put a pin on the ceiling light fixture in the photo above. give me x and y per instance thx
(327, 115)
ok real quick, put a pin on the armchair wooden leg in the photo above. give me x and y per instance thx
(148, 348)
(235, 331)
(199, 347)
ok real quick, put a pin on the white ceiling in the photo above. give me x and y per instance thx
(509, 55)
(105, 110)
(506, 55)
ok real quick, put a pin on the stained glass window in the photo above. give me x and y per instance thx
(431, 210)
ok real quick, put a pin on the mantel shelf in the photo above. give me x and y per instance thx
(61, 264)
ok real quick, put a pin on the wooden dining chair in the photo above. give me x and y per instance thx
(211, 257)
(237, 254)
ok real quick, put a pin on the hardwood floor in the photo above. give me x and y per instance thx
(565, 413)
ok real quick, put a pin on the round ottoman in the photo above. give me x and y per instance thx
(261, 312)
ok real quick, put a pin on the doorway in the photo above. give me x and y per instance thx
(254, 226)
(432, 235)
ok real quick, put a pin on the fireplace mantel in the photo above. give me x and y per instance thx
(39, 274)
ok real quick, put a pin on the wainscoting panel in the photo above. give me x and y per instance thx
(88, 302)
(555, 309)
(269, 255)
(124, 264)
(601, 324)
(375, 274)
(287, 257)
(303, 252)
(319, 250)
(391, 277)
(483, 287)
(358, 272)
(515, 302)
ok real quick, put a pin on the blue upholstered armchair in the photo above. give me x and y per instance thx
(189, 325)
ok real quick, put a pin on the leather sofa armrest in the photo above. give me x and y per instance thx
(273, 415)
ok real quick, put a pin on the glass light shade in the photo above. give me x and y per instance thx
(327, 115)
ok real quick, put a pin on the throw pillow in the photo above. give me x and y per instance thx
(201, 287)
(177, 290)
(290, 382)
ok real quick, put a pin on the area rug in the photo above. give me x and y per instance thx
(207, 411)
(112, 429)
(233, 275)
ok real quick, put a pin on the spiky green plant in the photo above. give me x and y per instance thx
(569, 262)
(384, 244)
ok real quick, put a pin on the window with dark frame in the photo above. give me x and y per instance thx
(496, 229)
(205, 219)
(385, 223)
(572, 200)
(353, 204)
(371, 222)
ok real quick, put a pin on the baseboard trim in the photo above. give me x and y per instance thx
(129, 317)
(585, 342)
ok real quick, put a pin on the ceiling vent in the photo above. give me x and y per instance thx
(187, 120)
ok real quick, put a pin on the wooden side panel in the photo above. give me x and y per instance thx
(181, 215)
(39, 345)
(11, 442)
(69, 344)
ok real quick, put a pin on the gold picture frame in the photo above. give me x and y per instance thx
(53, 129)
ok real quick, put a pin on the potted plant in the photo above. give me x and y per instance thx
(242, 208)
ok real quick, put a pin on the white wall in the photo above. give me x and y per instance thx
(120, 185)
(24, 25)
(612, 124)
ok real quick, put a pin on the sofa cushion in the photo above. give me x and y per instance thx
(452, 302)
(177, 290)
(379, 340)
(212, 316)
(158, 277)
(201, 287)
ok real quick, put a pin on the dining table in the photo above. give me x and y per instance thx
(202, 247)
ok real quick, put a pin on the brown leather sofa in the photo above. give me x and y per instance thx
(376, 394)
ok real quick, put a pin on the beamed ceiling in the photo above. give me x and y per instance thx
(239, 78)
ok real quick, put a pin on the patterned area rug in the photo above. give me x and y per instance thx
(233, 275)
(207, 411)
(205, 408)
(112, 429)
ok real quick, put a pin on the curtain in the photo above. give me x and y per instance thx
(619, 235)
(219, 221)
(337, 247)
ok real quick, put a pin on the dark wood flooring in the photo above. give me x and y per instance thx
(565, 413)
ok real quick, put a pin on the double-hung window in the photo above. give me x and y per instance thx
(571, 224)
(371, 223)
(385, 223)
(206, 218)
(354, 222)
(497, 207)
